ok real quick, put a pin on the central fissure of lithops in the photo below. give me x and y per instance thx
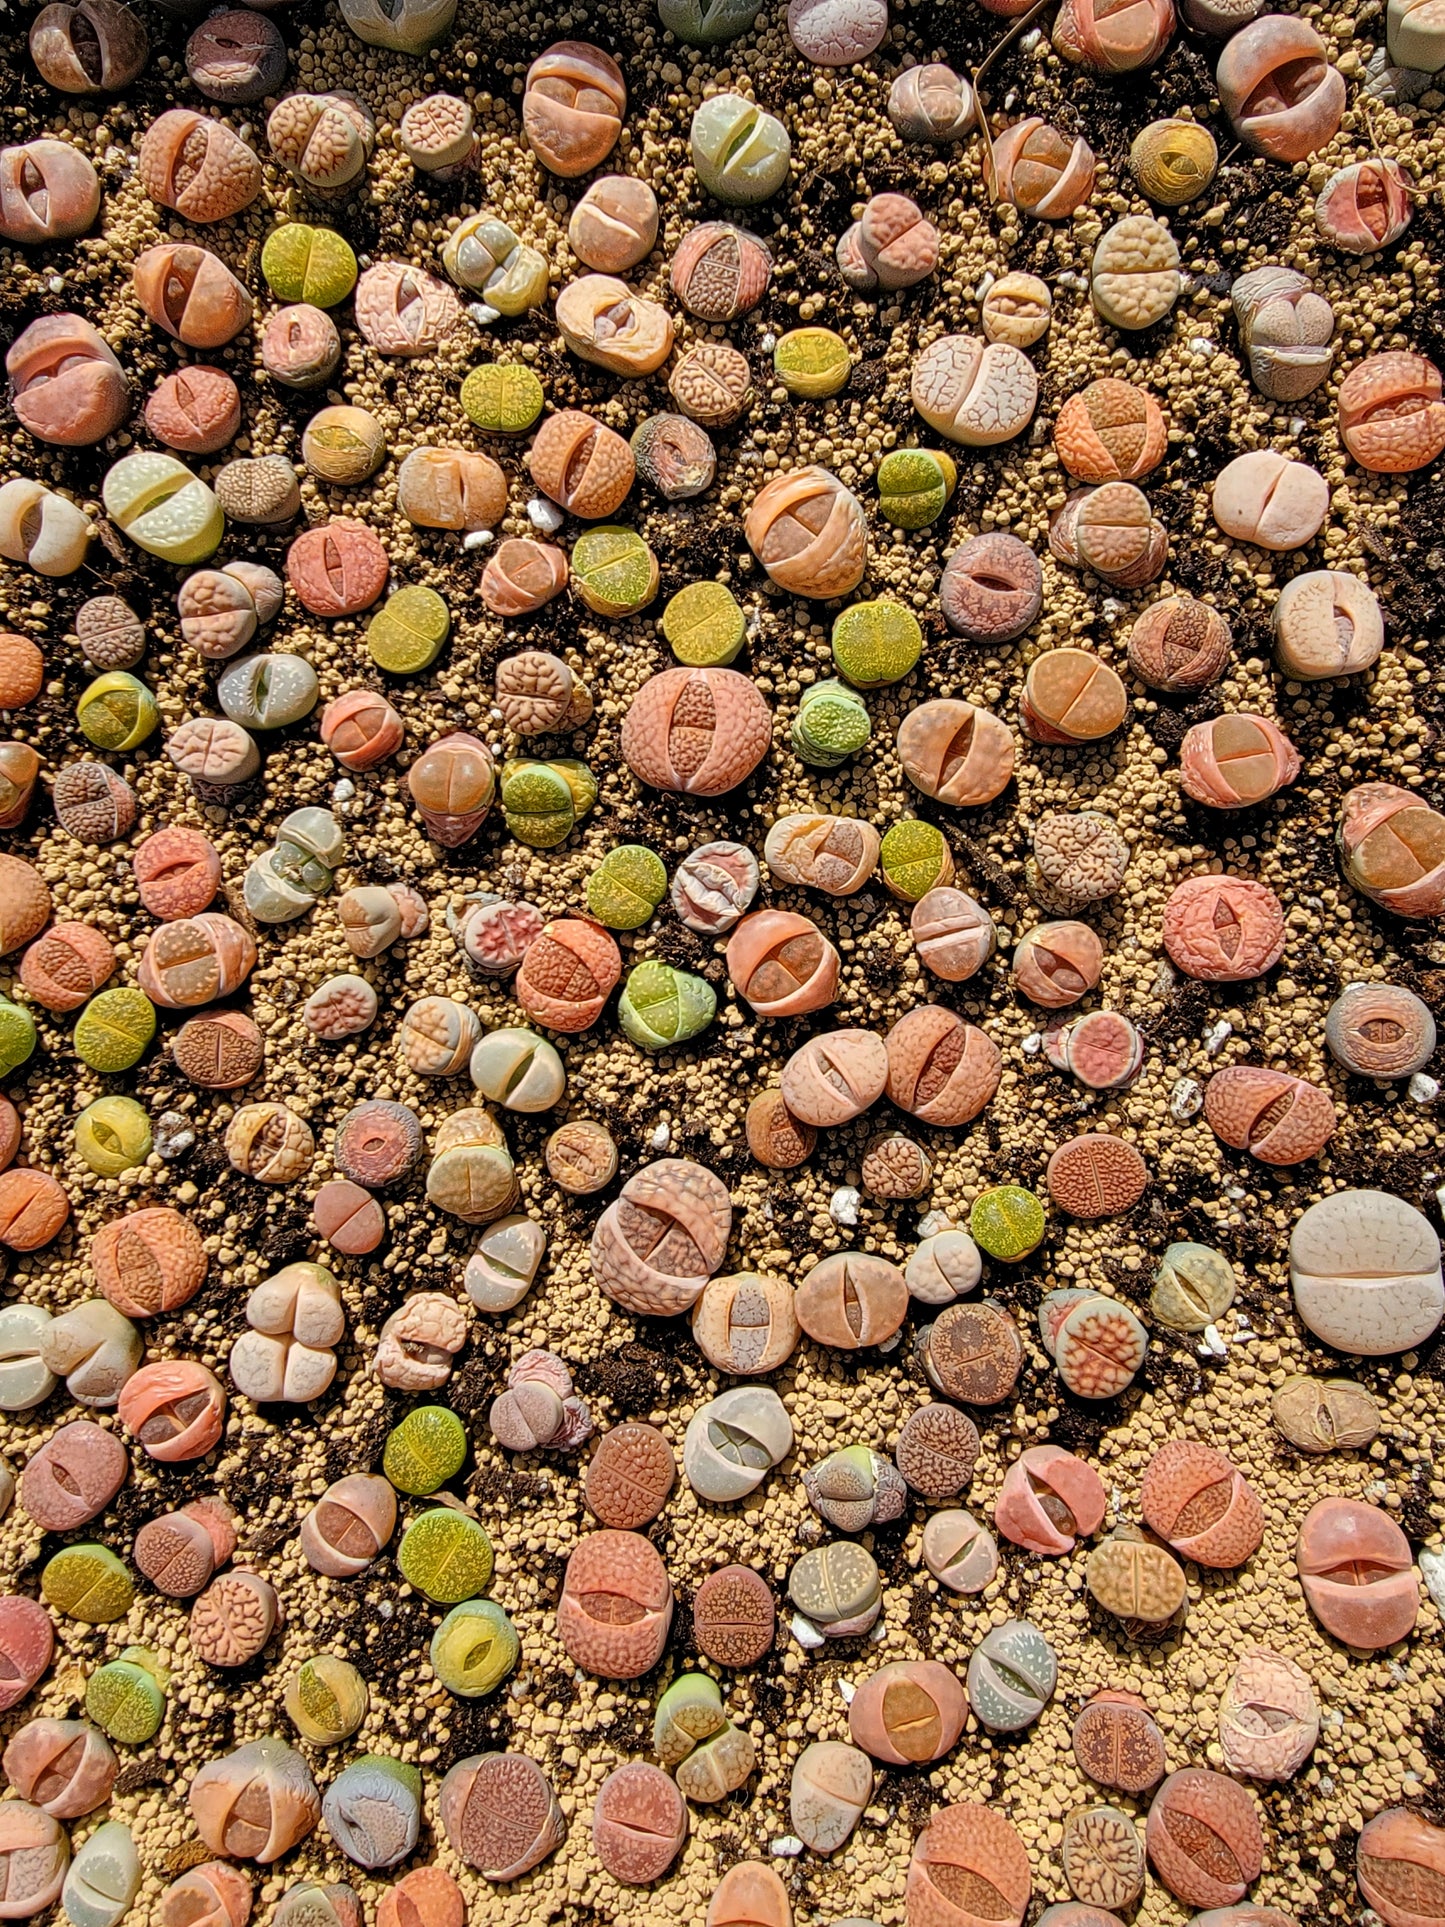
(190, 160)
(970, 1892)
(911, 1720)
(691, 727)
(940, 1064)
(1228, 930)
(1054, 1509)
(1200, 1512)
(612, 1608)
(1272, 1116)
(1203, 1846)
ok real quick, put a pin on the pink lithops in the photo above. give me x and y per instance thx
(573, 106)
(1207, 1511)
(892, 245)
(34, 1857)
(1392, 844)
(639, 1823)
(940, 1068)
(191, 294)
(1224, 929)
(1400, 1865)
(177, 872)
(1113, 531)
(338, 568)
(349, 1525)
(500, 1814)
(233, 1618)
(1365, 206)
(1179, 643)
(1096, 1175)
(809, 532)
(1278, 1118)
(616, 1605)
(179, 1551)
(198, 166)
(48, 192)
(1056, 964)
(27, 1639)
(255, 1803)
(1355, 1567)
(1118, 1744)
(1114, 36)
(1097, 1343)
(403, 310)
(697, 731)
(1236, 760)
(194, 960)
(851, 1299)
(66, 1767)
(1392, 417)
(1327, 623)
(1276, 84)
(1048, 1500)
(952, 933)
(66, 385)
(175, 1408)
(196, 410)
(909, 1713)
(659, 1242)
(1102, 1049)
(956, 753)
(1265, 498)
(781, 962)
(1069, 695)
(73, 1477)
(567, 974)
(993, 587)
(1269, 1718)
(211, 1895)
(969, 1867)
(539, 1411)
(1203, 1838)
(835, 1077)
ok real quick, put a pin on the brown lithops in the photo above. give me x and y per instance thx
(941, 1069)
(697, 731)
(1192, 1496)
(197, 166)
(1118, 1744)
(581, 464)
(657, 1245)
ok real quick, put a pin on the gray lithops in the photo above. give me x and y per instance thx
(734, 1441)
(500, 1271)
(855, 1488)
(1011, 1676)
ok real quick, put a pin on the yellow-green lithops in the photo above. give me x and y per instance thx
(1007, 1222)
(915, 858)
(474, 1649)
(875, 643)
(311, 264)
(626, 887)
(162, 507)
(116, 711)
(614, 571)
(127, 1697)
(914, 486)
(89, 1583)
(812, 363)
(406, 634)
(661, 1005)
(113, 1135)
(326, 1699)
(446, 1555)
(831, 725)
(112, 1032)
(502, 397)
(704, 625)
(426, 1449)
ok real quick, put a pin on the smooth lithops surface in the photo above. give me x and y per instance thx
(904, 315)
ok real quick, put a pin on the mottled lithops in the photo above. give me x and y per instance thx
(855, 1488)
(1011, 1676)
(1269, 1718)
(1194, 1286)
(831, 1785)
(837, 1589)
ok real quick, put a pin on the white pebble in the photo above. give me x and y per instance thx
(847, 1689)
(544, 515)
(843, 1206)
(661, 1137)
(1033, 1043)
(788, 1847)
(343, 790)
(483, 313)
(1186, 1099)
(891, 1343)
(476, 538)
(1432, 1571)
(769, 342)
(1217, 1036)
(1211, 1345)
(1423, 1089)
(806, 1633)
(986, 281)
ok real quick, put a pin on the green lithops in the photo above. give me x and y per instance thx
(914, 486)
(17, 1036)
(613, 570)
(662, 1005)
(326, 1699)
(446, 1555)
(116, 711)
(502, 398)
(831, 725)
(691, 1734)
(311, 264)
(875, 643)
(707, 23)
(626, 887)
(1007, 1222)
(425, 1450)
(704, 625)
(474, 1649)
(406, 634)
(113, 1135)
(87, 1582)
(812, 363)
(542, 801)
(111, 1033)
(914, 858)
(127, 1697)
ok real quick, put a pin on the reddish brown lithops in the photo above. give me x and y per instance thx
(233, 1619)
(66, 966)
(1048, 1499)
(835, 1077)
(697, 731)
(1269, 1718)
(937, 1450)
(659, 1242)
(1056, 964)
(24, 903)
(1204, 1839)
(616, 1605)
(1070, 696)
(956, 753)
(1192, 1496)
(33, 1209)
(969, 1866)
(639, 1823)
(1033, 166)
(1392, 845)
(567, 974)
(149, 1261)
(1118, 1744)
(972, 1352)
(1354, 1565)
(630, 1476)
(1097, 1175)
(198, 166)
(908, 1713)
(175, 1408)
(1178, 644)
(1278, 1118)
(1400, 1865)
(1236, 760)
(941, 1069)
(27, 1640)
(734, 1616)
(1224, 929)
(500, 1814)
(1097, 1343)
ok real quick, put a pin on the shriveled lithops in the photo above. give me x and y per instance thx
(487, 257)
(255, 1803)
(855, 1488)
(1279, 89)
(539, 1410)
(326, 1699)
(1173, 161)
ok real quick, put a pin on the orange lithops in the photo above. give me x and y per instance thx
(1111, 431)
(616, 1605)
(969, 1869)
